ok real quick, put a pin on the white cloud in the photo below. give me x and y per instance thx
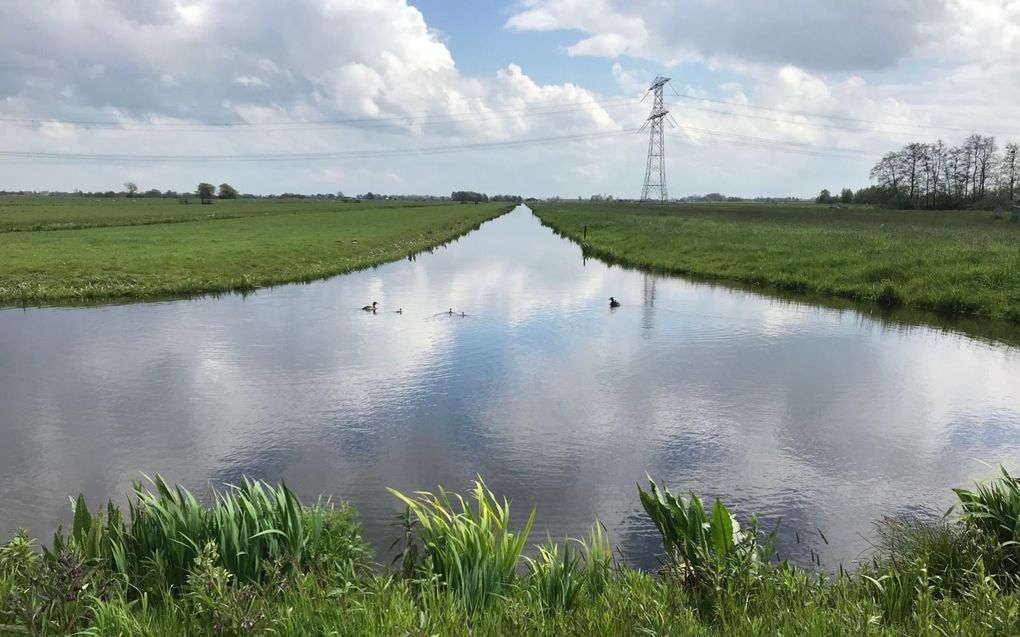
(821, 35)
(265, 61)
(179, 62)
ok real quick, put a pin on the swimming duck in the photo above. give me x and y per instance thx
(400, 310)
(451, 311)
(613, 302)
(371, 308)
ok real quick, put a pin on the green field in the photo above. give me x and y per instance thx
(960, 263)
(73, 250)
(258, 562)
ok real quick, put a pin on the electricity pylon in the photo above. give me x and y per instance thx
(655, 170)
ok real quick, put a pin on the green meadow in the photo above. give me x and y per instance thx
(74, 250)
(959, 263)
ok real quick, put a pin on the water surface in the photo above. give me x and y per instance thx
(826, 418)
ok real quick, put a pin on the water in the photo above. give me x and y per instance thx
(826, 418)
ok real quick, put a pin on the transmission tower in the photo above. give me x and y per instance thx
(655, 171)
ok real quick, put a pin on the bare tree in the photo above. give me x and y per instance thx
(984, 164)
(1009, 171)
(887, 173)
(937, 175)
(131, 188)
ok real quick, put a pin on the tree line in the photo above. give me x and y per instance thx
(936, 175)
(470, 196)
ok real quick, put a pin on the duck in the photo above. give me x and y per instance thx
(371, 308)
(613, 302)
(451, 311)
(400, 310)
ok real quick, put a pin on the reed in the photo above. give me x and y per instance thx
(472, 550)
(993, 509)
(252, 525)
(467, 573)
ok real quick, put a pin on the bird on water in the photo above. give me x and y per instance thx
(371, 308)
(613, 302)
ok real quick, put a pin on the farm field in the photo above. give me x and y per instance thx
(961, 263)
(74, 250)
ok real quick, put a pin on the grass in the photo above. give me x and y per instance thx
(469, 573)
(74, 250)
(959, 263)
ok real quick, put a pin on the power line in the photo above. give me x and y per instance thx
(769, 141)
(854, 129)
(367, 122)
(339, 155)
(835, 117)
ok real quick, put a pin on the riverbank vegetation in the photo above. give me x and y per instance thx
(961, 263)
(72, 249)
(255, 561)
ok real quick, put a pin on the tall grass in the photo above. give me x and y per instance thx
(468, 573)
(993, 509)
(472, 550)
(252, 524)
(556, 576)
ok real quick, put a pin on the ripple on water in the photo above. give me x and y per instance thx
(822, 418)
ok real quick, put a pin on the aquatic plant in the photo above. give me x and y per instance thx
(251, 524)
(993, 509)
(556, 576)
(463, 575)
(701, 546)
(473, 551)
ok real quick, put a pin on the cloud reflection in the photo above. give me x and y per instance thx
(817, 416)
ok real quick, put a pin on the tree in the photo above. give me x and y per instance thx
(824, 197)
(227, 192)
(465, 196)
(1009, 177)
(131, 188)
(846, 196)
(205, 192)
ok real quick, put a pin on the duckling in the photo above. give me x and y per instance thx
(371, 308)
(613, 302)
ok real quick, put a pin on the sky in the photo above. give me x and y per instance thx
(531, 97)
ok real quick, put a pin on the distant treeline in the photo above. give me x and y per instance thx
(469, 196)
(974, 174)
(226, 191)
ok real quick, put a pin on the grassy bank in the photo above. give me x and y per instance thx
(72, 250)
(963, 263)
(257, 562)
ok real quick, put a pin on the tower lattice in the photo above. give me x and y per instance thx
(655, 170)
